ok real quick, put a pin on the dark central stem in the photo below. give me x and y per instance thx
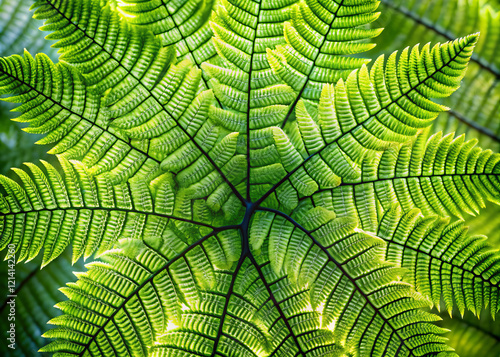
(251, 207)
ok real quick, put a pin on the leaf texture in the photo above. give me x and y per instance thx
(123, 304)
(253, 308)
(474, 108)
(367, 113)
(241, 216)
(321, 38)
(180, 23)
(443, 261)
(439, 175)
(51, 211)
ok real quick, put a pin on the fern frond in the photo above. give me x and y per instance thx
(346, 282)
(474, 107)
(18, 31)
(187, 144)
(367, 113)
(249, 317)
(124, 303)
(76, 123)
(320, 38)
(180, 23)
(51, 211)
(442, 260)
(440, 176)
(257, 307)
(206, 216)
(154, 103)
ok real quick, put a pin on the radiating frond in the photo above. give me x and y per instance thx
(365, 114)
(76, 123)
(440, 176)
(123, 303)
(239, 182)
(442, 260)
(321, 38)
(352, 289)
(154, 102)
(180, 23)
(474, 108)
(52, 211)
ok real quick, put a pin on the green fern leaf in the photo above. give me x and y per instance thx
(474, 110)
(91, 213)
(440, 175)
(180, 23)
(461, 269)
(319, 36)
(368, 113)
(201, 203)
(252, 309)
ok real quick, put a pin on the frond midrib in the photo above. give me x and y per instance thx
(148, 280)
(150, 95)
(344, 273)
(249, 90)
(393, 101)
(107, 209)
(299, 95)
(276, 304)
(226, 304)
(80, 116)
(461, 267)
(408, 13)
(409, 177)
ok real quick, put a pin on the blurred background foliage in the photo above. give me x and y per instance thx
(18, 30)
(475, 113)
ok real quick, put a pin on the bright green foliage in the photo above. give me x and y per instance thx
(241, 201)
(89, 212)
(474, 108)
(369, 113)
(137, 293)
(253, 308)
(463, 269)
(19, 31)
(438, 175)
(318, 35)
(183, 23)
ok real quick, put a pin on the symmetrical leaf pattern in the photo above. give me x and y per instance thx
(438, 175)
(249, 185)
(463, 269)
(474, 109)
